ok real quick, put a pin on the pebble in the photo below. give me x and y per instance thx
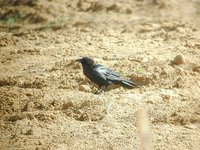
(196, 69)
(59, 41)
(141, 79)
(29, 106)
(191, 126)
(43, 35)
(27, 131)
(84, 88)
(179, 59)
(67, 105)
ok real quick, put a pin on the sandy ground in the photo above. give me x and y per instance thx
(47, 103)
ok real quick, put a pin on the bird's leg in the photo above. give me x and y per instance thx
(106, 88)
(96, 92)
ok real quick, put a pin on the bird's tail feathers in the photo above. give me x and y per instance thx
(127, 84)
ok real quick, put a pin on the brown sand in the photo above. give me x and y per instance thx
(47, 103)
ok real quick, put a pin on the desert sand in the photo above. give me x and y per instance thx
(46, 103)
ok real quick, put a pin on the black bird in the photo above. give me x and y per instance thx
(102, 76)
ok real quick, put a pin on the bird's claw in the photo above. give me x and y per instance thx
(97, 92)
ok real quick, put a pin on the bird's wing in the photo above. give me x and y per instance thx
(106, 73)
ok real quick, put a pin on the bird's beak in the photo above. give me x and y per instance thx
(78, 60)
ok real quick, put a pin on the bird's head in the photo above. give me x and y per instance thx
(86, 61)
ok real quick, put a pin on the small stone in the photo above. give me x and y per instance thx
(27, 131)
(41, 142)
(59, 41)
(29, 94)
(67, 105)
(43, 35)
(150, 102)
(191, 126)
(29, 106)
(84, 88)
(141, 79)
(20, 51)
(179, 59)
(105, 58)
(3, 43)
(165, 97)
(196, 69)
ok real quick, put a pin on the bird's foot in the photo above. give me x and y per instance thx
(97, 92)
(101, 90)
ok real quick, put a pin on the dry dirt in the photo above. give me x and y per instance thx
(47, 103)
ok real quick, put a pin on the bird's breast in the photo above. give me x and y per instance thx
(88, 72)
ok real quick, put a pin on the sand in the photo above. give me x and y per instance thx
(47, 103)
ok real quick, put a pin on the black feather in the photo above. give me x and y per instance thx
(101, 75)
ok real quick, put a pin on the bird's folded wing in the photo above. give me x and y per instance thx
(106, 73)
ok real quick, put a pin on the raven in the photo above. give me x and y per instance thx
(102, 76)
